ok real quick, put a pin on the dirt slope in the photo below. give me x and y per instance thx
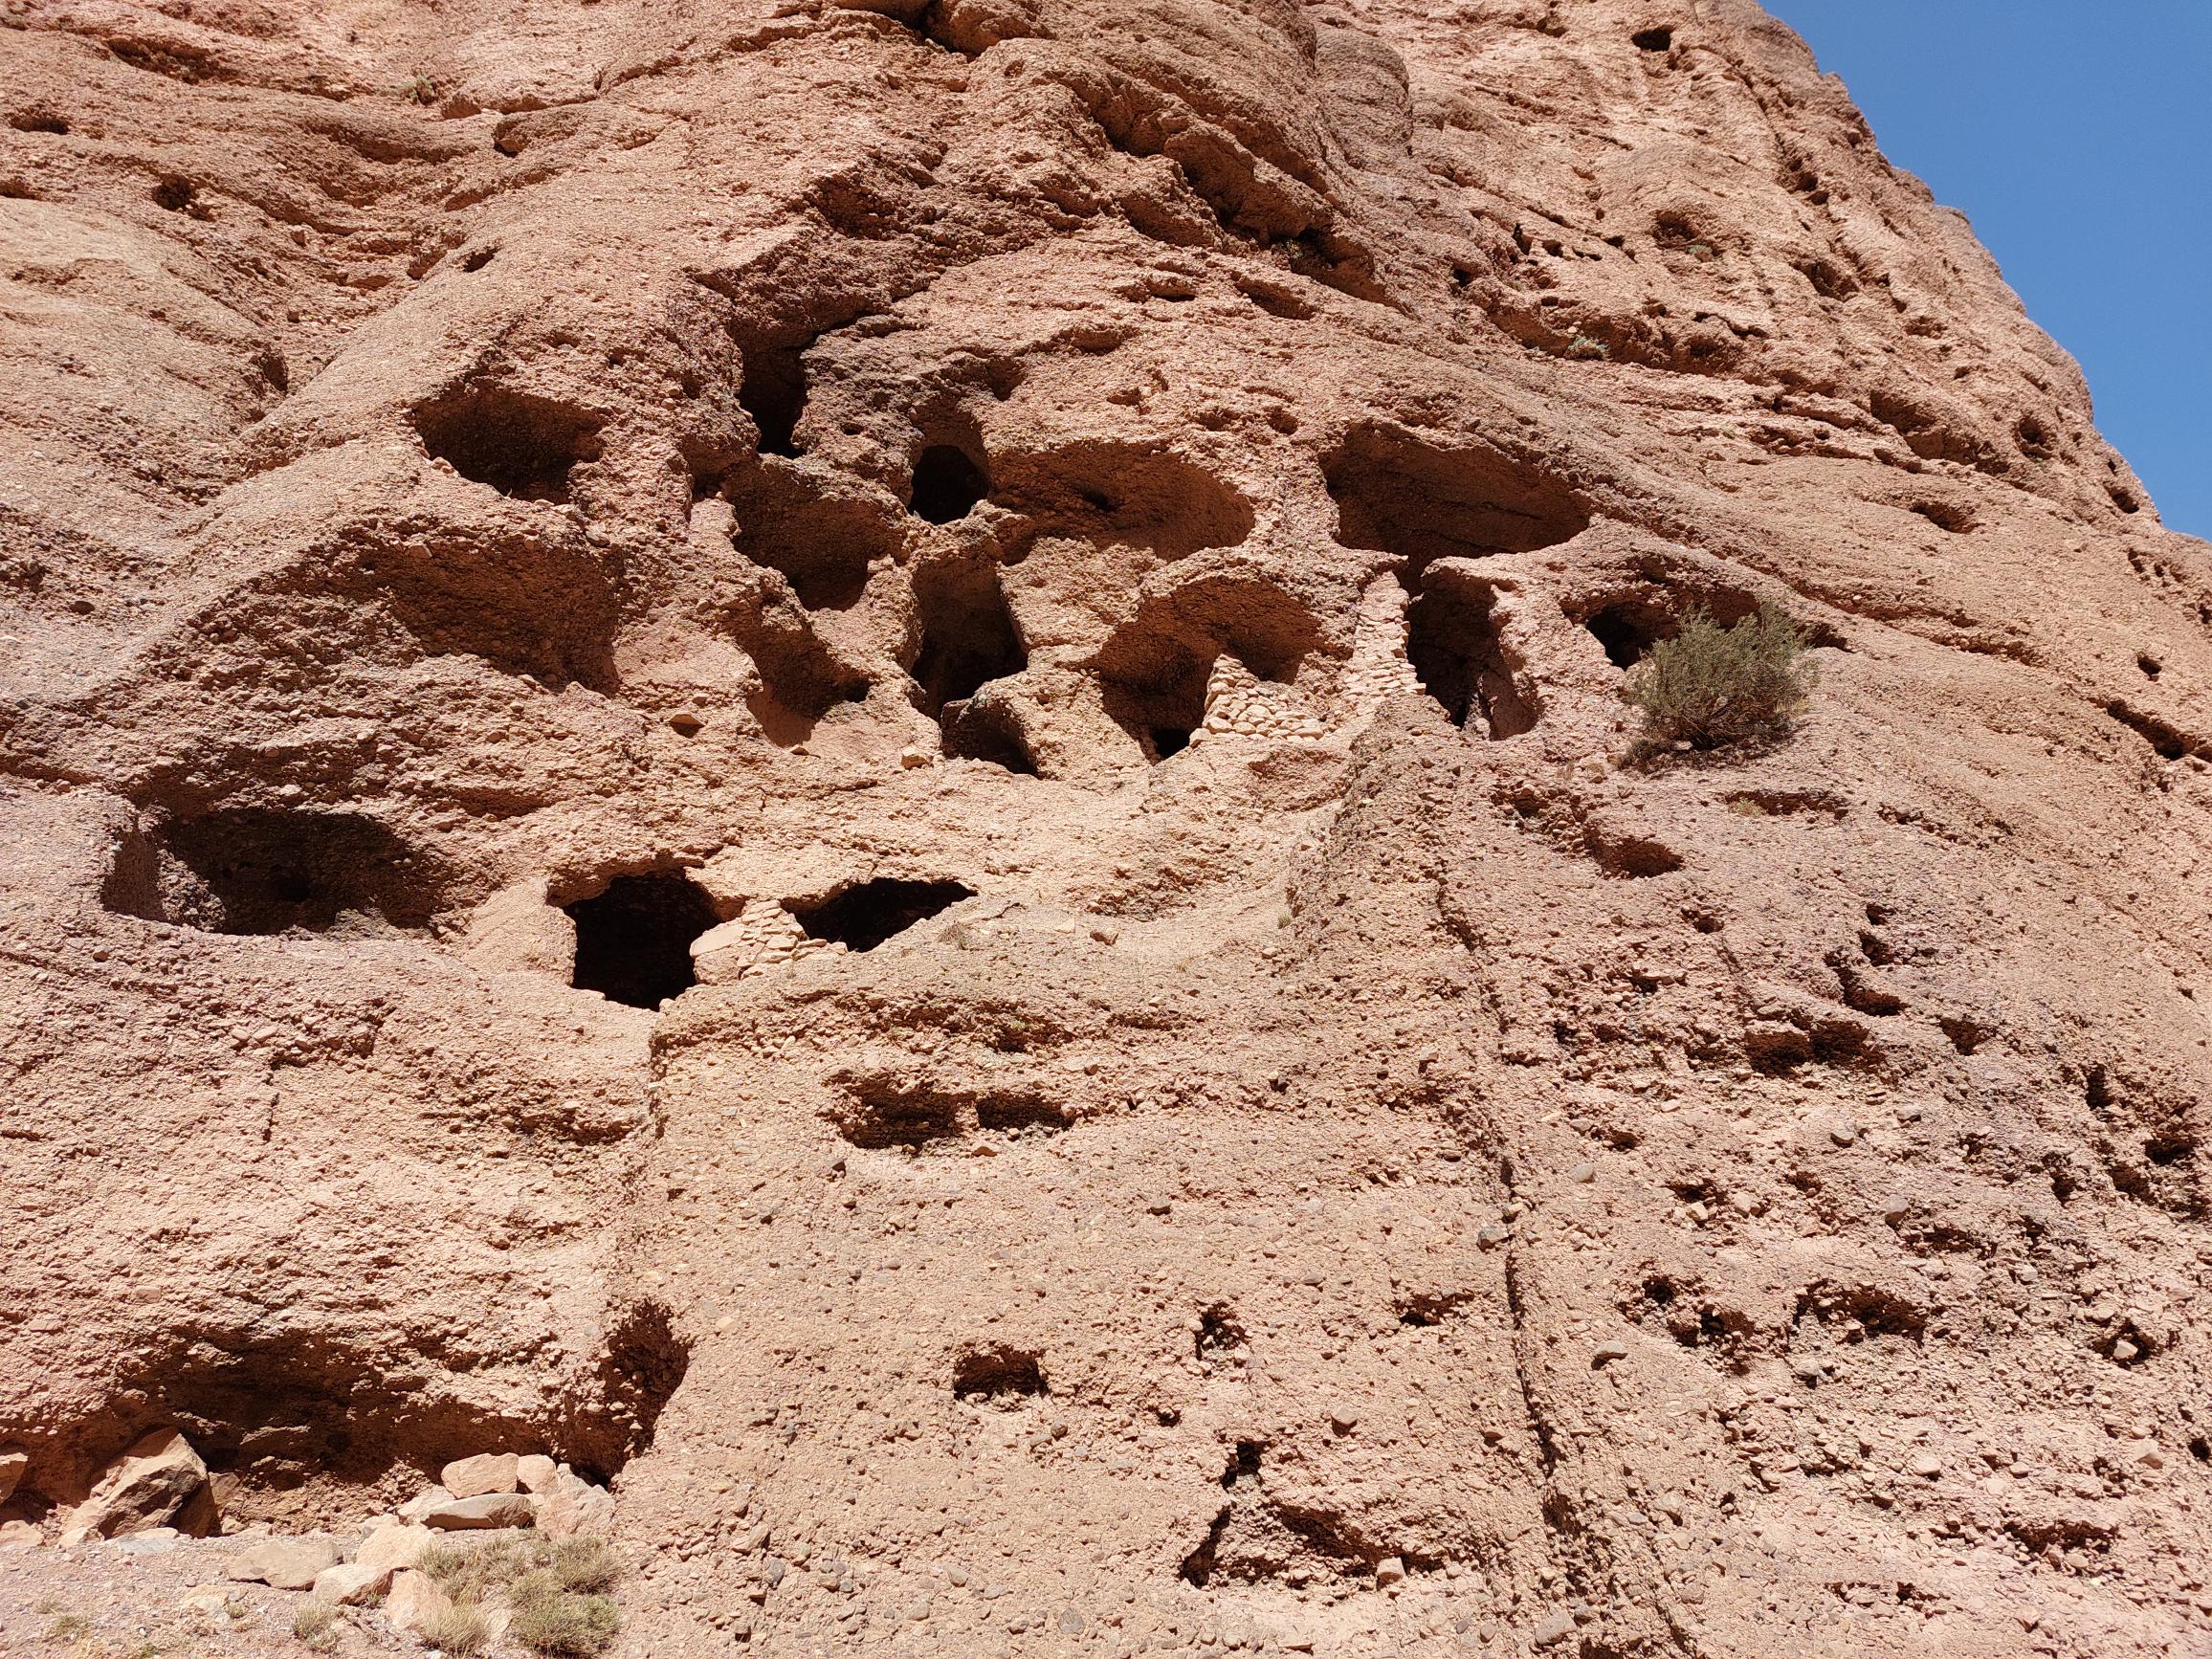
(1084, 553)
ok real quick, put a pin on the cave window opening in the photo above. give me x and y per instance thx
(1653, 39)
(520, 444)
(1169, 740)
(968, 640)
(948, 484)
(1626, 633)
(1459, 658)
(634, 941)
(1419, 502)
(260, 871)
(983, 731)
(997, 1376)
(863, 916)
(968, 637)
(773, 392)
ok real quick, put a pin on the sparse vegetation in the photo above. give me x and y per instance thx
(1711, 685)
(585, 1564)
(555, 1590)
(475, 1572)
(68, 1627)
(1586, 348)
(420, 89)
(311, 1622)
(559, 1623)
(459, 1627)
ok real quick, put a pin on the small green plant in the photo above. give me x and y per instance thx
(311, 1622)
(420, 89)
(1583, 348)
(68, 1627)
(457, 1627)
(1711, 685)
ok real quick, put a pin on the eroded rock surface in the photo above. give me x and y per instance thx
(1085, 554)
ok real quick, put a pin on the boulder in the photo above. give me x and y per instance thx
(350, 1582)
(574, 1505)
(490, 1472)
(391, 1547)
(14, 1461)
(423, 1502)
(283, 1563)
(491, 1508)
(147, 1485)
(413, 1601)
(535, 1472)
(16, 1535)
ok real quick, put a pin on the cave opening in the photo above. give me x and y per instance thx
(862, 917)
(948, 484)
(634, 941)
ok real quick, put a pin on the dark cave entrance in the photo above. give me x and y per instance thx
(634, 941)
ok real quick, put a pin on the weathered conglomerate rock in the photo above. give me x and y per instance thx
(862, 766)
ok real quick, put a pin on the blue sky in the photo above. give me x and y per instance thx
(2077, 135)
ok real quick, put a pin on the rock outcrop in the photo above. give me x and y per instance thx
(863, 766)
(159, 1480)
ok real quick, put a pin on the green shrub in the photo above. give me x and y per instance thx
(1710, 685)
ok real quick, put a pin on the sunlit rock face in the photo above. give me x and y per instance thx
(864, 766)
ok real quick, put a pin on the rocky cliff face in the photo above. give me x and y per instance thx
(865, 763)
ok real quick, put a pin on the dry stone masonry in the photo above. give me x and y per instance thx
(841, 788)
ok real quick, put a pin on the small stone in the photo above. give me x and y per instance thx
(1553, 1628)
(17, 1534)
(1071, 1621)
(2145, 1454)
(1606, 1352)
(910, 757)
(1844, 1134)
(2125, 1351)
(490, 1472)
(1895, 1209)
(1582, 1174)
(1925, 1465)
(1389, 1570)
(1343, 1417)
(14, 1461)
(1490, 1237)
(283, 1563)
(206, 1598)
(489, 1509)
